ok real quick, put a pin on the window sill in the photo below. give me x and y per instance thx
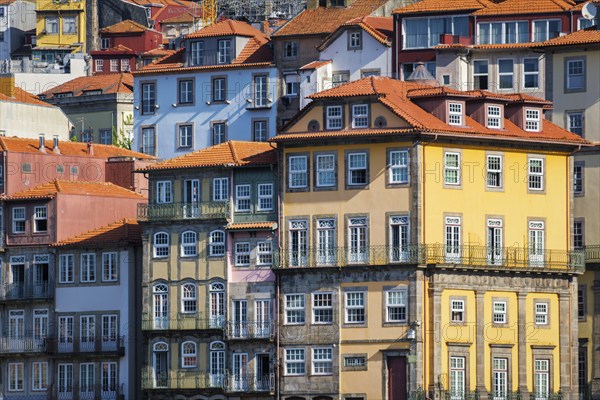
(255, 108)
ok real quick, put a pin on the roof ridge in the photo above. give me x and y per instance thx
(233, 152)
(56, 185)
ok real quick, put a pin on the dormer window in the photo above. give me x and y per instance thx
(334, 117)
(354, 40)
(197, 53)
(455, 113)
(360, 116)
(104, 43)
(532, 120)
(224, 52)
(494, 117)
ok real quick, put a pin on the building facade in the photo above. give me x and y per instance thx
(60, 30)
(16, 18)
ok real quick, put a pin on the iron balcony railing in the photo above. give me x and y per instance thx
(104, 345)
(9, 345)
(592, 254)
(182, 323)
(250, 383)
(250, 330)
(22, 291)
(470, 256)
(182, 380)
(182, 211)
(105, 391)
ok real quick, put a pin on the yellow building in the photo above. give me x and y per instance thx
(60, 29)
(426, 246)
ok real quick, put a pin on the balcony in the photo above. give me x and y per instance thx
(250, 330)
(250, 383)
(182, 323)
(181, 380)
(94, 346)
(10, 345)
(90, 392)
(592, 254)
(182, 211)
(479, 257)
(21, 291)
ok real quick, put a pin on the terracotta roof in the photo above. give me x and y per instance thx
(380, 28)
(589, 35)
(252, 226)
(399, 97)
(498, 46)
(123, 231)
(68, 148)
(118, 49)
(512, 7)
(127, 26)
(163, 3)
(108, 83)
(22, 96)
(342, 134)
(159, 52)
(188, 16)
(81, 188)
(227, 27)
(229, 154)
(322, 20)
(316, 64)
(437, 6)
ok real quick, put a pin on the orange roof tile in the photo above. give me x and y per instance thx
(322, 20)
(589, 35)
(229, 154)
(127, 26)
(119, 232)
(107, 83)
(494, 46)
(81, 188)
(316, 64)
(159, 52)
(188, 16)
(227, 27)
(341, 134)
(22, 96)
(437, 6)
(164, 3)
(380, 28)
(68, 148)
(512, 7)
(252, 226)
(398, 97)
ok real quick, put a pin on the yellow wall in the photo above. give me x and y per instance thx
(46, 8)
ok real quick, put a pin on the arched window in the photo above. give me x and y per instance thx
(217, 364)
(160, 303)
(160, 288)
(161, 346)
(216, 246)
(161, 244)
(188, 355)
(188, 297)
(188, 244)
(217, 305)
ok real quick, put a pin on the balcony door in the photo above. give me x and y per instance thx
(262, 380)
(87, 333)
(494, 241)
(109, 333)
(263, 318)
(160, 364)
(239, 368)
(65, 334)
(40, 280)
(217, 364)
(240, 318)
(161, 306)
(17, 288)
(191, 198)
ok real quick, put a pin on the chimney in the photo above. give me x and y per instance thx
(90, 148)
(42, 145)
(55, 147)
(7, 85)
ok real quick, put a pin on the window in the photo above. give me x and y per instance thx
(188, 355)
(242, 254)
(124, 64)
(264, 253)
(531, 72)
(219, 89)
(506, 70)
(575, 70)
(188, 244)
(536, 174)
(290, 49)
(453, 248)
(503, 32)
(398, 166)
(298, 245)
(294, 309)
(65, 267)
(51, 25)
(326, 251)
(99, 65)
(105, 136)
(541, 378)
(536, 243)
(108, 377)
(494, 117)
(216, 246)
(265, 197)
(355, 307)
(499, 377)
(578, 235)
(322, 361)
(109, 267)
(409, 68)
(532, 120)
(455, 114)
(104, 43)
(65, 380)
(541, 313)
(15, 377)
(457, 377)
(88, 267)
(69, 25)
(40, 219)
(161, 244)
(355, 361)
(184, 136)
(452, 168)
(86, 379)
(148, 141)
(188, 298)
(219, 133)
(325, 170)
(294, 362)
(340, 78)
(40, 324)
(357, 169)
(457, 311)
(260, 91)
(354, 40)
(334, 117)
(578, 169)
(197, 53)
(499, 316)
(39, 378)
(148, 98)
(545, 30)
(186, 91)
(259, 131)
(357, 240)
(292, 85)
(164, 192)
(581, 303)
(395, 303)
(426, 32)
(18, 217)
(575, 122)
(360, 116)
(224, 55)
(399, 237)
(220, 189)
(297, 172)
(242, 198)
(583, 23)
(480, 74)
(494, 171)
(322, 308)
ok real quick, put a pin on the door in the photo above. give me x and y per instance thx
(397, 379)
(65, 381)
(240, 319)
(109, 333)
(217, 305)
(65, 334)
(40, 327)
(87, 333)
(109, 380)
(191, 197)
(262, 380)
(263, 318)
(357, 237)
(16, 330)
(40, 280)
(239, 377)
(536, 243)
(494, 242)
(399, 238)
(452, 239)
(217, 364)
(161, 307)
(17, 290)
(160, 364)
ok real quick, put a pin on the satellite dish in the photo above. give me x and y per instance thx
(589, 11)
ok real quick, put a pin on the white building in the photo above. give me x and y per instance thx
(16, 18)
(221, 85)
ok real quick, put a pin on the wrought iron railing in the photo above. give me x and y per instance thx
(182, 323)
(250, 330)
(105, 391)
(23, 345)
(250, 383)
(104, 345)
(181, 211)
(182, 380)
(592, 254)
(469, 256)
(22, 291)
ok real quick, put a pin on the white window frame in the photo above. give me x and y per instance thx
(295, 362)
(189, 246)
(360, 116)
(216, 248)
(399, 162)
(322, 360)
(99, 64)
(450, 167)
(87, 269)
(110, 267)
(533, 120)
(16, 378)
(325, 164)
(352, 168)
(264, 253)
(18, 216)
(160, 249)
(535, 174)
(499, 312)
(164, 192)
(189, 359)
(494, 117)
(541, 310)
(185, 135)
(541, 373)
(243, 198)
(114, 65)
(457, 366)
(189, 298)
(355, 307)
(457, 310)
(220, 187)
(494, 171)
(66, 268)
(297, 173)
(39, 376)
(390, 306)
(455, 113)
(322, 308)
(334, 117)
(499, 377)
(295, 314)
(242, 254)
(265, 197)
